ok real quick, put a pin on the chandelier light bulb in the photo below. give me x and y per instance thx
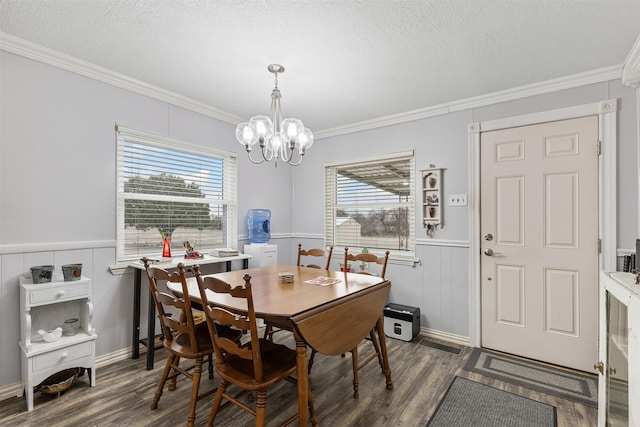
(245, 135)
(262, 126)
(291, 128)
(305, 138)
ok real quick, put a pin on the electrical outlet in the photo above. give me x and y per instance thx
(457, 200)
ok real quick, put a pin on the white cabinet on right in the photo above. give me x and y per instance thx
(262, 254)
(619, 366)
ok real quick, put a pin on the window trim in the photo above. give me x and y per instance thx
(330, 194)
(230, 168)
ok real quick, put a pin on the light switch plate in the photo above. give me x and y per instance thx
(457, 200)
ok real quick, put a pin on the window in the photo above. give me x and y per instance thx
(165, 186)
(370, 204)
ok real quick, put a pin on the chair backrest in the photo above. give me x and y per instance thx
(219, 316)
(314, 253)
(367, 257)
(168, 304)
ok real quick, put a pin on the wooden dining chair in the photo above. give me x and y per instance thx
(183, 339)
(255, 365)
(317, 253)
(369, 259)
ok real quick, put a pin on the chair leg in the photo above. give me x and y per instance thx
(376, 345)
(311, 358)
(222, 387)
(356, 385)
(312, 410)
(261, 408)
(268, 332)
(172, 381)
(210, 367)
(195, 378)
(163, 379)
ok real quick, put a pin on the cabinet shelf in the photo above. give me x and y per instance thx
(39, 346)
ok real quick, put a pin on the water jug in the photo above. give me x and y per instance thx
(258, 221)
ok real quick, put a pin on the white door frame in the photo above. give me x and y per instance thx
(606, 111)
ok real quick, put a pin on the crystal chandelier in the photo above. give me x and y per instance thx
(278, 139)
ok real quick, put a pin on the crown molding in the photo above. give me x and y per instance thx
(562, 83)
(45, 55)
(631, 69)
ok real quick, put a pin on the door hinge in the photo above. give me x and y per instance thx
(599, 148)
(599, 246)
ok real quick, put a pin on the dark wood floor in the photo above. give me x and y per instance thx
(421, 375)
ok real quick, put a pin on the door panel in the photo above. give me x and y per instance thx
(539, 273)
(561, 297)
(560, 213)
(510, 211)
(510, 294)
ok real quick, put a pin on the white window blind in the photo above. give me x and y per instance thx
(371, 204)
(170, 187)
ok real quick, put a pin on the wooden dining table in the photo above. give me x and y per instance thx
(330, 318)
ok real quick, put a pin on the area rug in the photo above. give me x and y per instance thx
(535, 376)
(468, 403)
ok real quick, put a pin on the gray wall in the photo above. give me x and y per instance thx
(57, 191)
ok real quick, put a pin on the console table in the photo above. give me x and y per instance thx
(138, 267)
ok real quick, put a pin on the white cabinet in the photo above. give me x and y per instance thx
(619, 382)
(46, 306)
(262, 254)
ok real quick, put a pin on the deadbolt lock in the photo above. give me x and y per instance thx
(488, 237)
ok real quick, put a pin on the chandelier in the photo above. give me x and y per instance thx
(277, 138)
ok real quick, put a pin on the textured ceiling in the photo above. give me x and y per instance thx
(346, 61)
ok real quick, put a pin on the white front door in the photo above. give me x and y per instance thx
(539, 228)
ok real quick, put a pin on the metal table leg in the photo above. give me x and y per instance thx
(151, 331)
(135, 340)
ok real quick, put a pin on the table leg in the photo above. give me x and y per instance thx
(303, 379)
(245, 264)
(151, 331)
(135, 340)
(385, 358)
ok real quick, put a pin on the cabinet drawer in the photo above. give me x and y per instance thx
(58, 293)
(63, 355)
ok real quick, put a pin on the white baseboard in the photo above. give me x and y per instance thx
(116, 356)
(10, 390)
(445, 336)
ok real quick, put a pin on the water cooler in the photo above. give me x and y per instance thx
(259, 233)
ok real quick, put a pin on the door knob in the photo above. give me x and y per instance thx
(489, 252)
(488, 237)
(599, 366)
